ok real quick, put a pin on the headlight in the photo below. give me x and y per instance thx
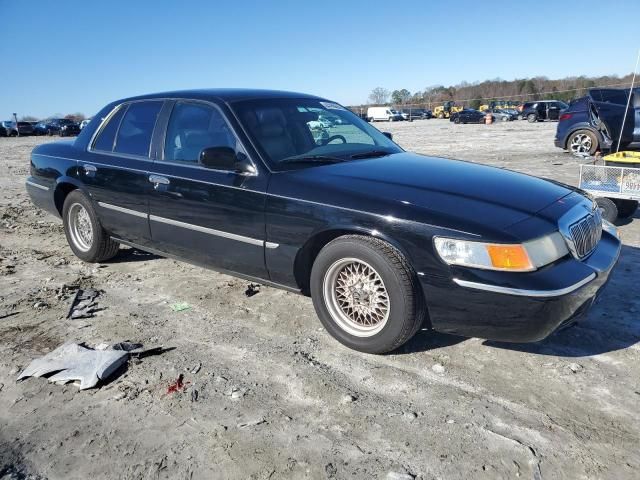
(520, 257)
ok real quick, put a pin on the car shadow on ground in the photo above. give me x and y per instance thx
(127, 255)
(426, 340)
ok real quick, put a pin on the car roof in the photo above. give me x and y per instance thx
(225, 94)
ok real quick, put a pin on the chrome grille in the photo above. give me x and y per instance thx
(586, 233)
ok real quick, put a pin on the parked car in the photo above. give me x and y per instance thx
(467, 115)
(12, 129)
(386, 114)
(384, 241)
(541, 110)
(57, 126)
(415, 114)
(501, 115)
(4, 132)
(593, 123)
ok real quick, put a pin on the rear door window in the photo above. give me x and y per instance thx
(107, 135)
(136, 128)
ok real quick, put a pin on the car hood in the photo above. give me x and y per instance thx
(448, 193)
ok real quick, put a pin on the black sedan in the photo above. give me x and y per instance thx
(57, 126)
(467, 115)
(385, 242)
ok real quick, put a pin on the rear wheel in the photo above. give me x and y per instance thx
(366, 294)
(608, 208)
(86, 237)
(441, 115)
(532, 118)
(626, 208)
(456, 120)
(582, 142)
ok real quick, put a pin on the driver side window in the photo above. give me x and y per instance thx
(192, 128)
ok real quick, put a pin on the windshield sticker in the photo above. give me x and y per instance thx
(332, 106)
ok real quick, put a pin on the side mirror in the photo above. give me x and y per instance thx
(388, 135)
(225, 158)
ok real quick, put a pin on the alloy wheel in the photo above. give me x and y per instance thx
(580, 143)
(356, 297)
(80, 227)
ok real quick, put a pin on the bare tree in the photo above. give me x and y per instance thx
(379, 96)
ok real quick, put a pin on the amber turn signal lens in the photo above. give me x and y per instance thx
(509, 257)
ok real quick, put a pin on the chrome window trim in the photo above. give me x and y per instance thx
(195, 164)
(104, 122)
(211, 231)
(128, 211)
(37, 185)
(523, 292)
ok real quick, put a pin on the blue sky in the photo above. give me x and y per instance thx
(76, 55)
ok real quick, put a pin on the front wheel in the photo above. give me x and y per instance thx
(366, 294)
(85, 235)
(608, 208)
(532, 118)
(456, 120)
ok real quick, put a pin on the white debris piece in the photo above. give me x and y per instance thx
(73, 362)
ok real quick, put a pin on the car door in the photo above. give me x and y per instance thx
(115, 170)
(211, 217)
(609, 112)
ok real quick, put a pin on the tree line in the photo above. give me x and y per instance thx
(74, 117)
(475, 94)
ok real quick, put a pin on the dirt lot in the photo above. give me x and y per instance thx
(276, 396)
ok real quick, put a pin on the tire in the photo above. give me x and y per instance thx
(532, 118)
(441, 115)
(85, 235)
(504, 119)
(456, 120)
(626, 208)
(582, 142)
(394, 281)
(608, 209)
(520, 117)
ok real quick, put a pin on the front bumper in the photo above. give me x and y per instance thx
(520, 307)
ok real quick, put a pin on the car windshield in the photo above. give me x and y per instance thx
(65, 121)
(290, 131)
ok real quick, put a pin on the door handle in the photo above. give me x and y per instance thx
(159, 180)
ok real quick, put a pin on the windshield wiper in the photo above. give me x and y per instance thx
(371, 154)
(312, 159)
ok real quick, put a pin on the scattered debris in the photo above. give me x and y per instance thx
(178, 386)
(437, 368)
(410, 415)
(349, 398)
(196, 369)
(330, 469)
(72, 362)
(252, 423)
(194, 395)
(126, 346)
(83, 304)
(180, 306)
(10, 314)
(400, 476)
(252, 290)
(575, 367)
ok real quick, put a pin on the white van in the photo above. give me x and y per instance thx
(386, 114)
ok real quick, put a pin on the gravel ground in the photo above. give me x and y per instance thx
(276, 396)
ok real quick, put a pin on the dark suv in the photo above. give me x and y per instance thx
(593, 123)
(57, 126)
(542, 110)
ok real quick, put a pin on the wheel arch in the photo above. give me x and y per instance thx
(64, 186)
(307, 254)
(588, 127)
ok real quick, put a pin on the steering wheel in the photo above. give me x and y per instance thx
(334, 137)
